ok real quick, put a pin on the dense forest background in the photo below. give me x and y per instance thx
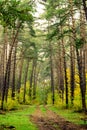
(43, 58)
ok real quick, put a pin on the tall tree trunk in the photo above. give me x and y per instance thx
(82, 60)
(82, 85)
(3, 58)
(14, 70)
(20, 76)
(72, 50)
(25, 80)
(52, 75)
(7, 66)
(60, 72)
(35, 82)
(31, 80)
(8, 81)
(85, 57)
(66, 77)
(65, 70)
(85, 7)
(72, 79)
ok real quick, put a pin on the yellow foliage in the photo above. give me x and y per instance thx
(58, 100)
(27, 100)
(11, 104)
(49, 99)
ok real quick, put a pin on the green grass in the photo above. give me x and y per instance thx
(69, 115)
(19, 119)
(43, 108)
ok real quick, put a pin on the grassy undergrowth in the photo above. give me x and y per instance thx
(69, 115)
(19, 119)
(43, 109)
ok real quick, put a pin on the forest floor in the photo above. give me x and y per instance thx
(49, 120)
(40, 118)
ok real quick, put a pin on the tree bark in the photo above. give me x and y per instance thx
(20, 76)
(25, 80)
(14, 71)
(72, 50)
(66, 78)
(85, 7)
(72, 73)
(82, 84)
(52, 75)
(60, 72)
(35, 80)
(7, 66)
(31, 80)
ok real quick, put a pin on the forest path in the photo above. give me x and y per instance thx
(49, 120)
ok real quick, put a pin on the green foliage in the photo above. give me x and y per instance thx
(58, 100)
(42, 94)
(53, 31)
(78, 3)
(42, 108)
(32, 31)
(12, 11)
(11, 104)
(49, 99)
(20, 96)
(79, 43)
(8, 12)
(56, 33)
(65, 32)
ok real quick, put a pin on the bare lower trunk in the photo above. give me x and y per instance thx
(82, 83)
(7, 67)
(31, 80)
(25, 80)
(60, 72)
(72, 50)
(85, 7)
(14, 70)
(35, 82)
(20, 76)
(8, 81)
(52, 75)
(66, 78)
(72, 82)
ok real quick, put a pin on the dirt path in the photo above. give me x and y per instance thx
(51, 121)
